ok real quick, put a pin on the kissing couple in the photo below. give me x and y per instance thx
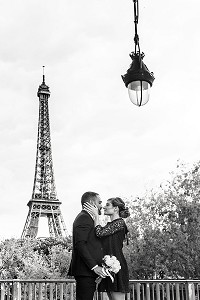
(93, 242)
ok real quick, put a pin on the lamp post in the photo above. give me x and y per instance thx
(138, 79)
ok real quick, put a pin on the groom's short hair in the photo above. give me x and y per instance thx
(88, 196)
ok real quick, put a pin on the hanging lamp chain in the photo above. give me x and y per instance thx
(136, 17)
(136, 37)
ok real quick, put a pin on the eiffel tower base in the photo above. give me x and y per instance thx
(44, 208)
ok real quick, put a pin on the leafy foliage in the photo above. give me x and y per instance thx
(165, 228)
(34, 258)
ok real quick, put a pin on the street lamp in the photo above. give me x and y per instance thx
(138, 79)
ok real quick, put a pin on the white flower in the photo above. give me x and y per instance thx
(108, 260)
(111, 266)
(112, 263)
(116, 268)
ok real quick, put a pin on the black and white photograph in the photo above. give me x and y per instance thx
(100, 150)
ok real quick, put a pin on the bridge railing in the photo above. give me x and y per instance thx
(65, 290)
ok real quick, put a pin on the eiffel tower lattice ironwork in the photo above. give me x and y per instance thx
(44, 202)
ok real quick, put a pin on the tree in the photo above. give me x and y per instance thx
(167, 222)
(34, 258)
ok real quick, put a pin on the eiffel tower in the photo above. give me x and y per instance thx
(44, 202)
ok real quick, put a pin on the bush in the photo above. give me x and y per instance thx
(34, 258)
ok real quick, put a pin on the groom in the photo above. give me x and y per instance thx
(87, 250)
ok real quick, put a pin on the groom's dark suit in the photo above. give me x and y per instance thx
(87, 252)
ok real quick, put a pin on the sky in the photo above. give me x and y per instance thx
(100, 140)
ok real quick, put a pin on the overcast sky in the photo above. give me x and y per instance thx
(100, 140)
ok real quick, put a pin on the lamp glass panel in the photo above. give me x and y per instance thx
(139, 92)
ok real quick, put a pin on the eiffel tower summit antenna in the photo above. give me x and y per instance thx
(44, 202)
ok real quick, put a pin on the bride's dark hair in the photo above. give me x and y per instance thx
(123, 210)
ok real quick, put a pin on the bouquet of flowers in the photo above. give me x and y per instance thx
(111, 266)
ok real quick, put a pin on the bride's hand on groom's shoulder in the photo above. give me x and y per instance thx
(92, 209)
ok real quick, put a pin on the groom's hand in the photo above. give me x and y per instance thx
(99, 271)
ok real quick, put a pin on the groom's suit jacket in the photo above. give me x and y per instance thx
(87, 249)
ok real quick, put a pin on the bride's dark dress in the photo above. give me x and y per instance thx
(112, 236)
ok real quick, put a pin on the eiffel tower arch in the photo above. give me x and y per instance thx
(44, 202)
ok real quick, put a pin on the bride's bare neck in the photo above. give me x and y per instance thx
(114, 216)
